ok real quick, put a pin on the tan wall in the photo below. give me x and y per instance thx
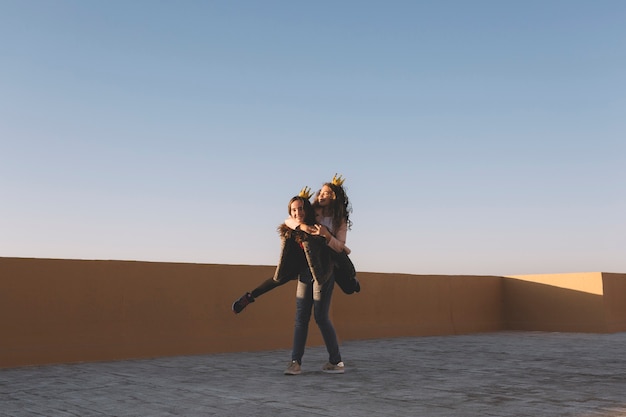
(54, 311)
(393, 305)
(614, 290)
(555, 302)
(71, 310)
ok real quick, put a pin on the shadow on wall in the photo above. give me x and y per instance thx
(55, 311)
(540, 307)
(594, 303)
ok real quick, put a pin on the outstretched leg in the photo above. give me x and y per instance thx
(249, 297)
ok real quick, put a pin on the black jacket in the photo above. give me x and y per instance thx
(300, 250)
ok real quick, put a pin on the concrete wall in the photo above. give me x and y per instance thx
(555, 302)
(395, 305)
(591, 302)
(54, 311)
(614, 290)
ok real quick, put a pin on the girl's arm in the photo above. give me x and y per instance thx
(336, 242)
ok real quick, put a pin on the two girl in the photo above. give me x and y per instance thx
(314, 252)
(332, 221)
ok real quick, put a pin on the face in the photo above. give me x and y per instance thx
(326, 196)
(296, 211)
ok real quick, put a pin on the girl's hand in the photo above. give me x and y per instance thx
(321, 230)
(308, 229)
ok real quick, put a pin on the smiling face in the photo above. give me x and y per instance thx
(326, 196)
(296, 211)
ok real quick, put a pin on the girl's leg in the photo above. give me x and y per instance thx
(304, 303)
(266, 286)
(322, 296)
(249, 297)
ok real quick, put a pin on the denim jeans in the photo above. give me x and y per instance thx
(310, 295)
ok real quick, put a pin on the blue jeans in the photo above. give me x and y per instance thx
(310, 295)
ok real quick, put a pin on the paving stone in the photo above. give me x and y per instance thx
(495, 374)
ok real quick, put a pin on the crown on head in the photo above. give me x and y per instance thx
(305, 192)
(338, 180)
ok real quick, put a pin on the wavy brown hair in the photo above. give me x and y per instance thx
(340, 206)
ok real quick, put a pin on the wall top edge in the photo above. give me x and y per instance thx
(520, 276)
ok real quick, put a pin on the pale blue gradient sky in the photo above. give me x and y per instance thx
(477, 137)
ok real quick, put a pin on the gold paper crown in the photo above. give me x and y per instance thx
(305, 192)
(338, 180)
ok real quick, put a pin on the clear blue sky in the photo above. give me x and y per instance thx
(477, 137)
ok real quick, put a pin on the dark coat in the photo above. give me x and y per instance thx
(300, 250)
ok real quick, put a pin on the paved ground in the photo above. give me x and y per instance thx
(496, 374)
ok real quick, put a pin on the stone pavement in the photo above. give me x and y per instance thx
(495, 374)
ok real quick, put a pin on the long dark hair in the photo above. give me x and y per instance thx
(309, 213)
(340, 206)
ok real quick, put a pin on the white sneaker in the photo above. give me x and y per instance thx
(329, 368)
